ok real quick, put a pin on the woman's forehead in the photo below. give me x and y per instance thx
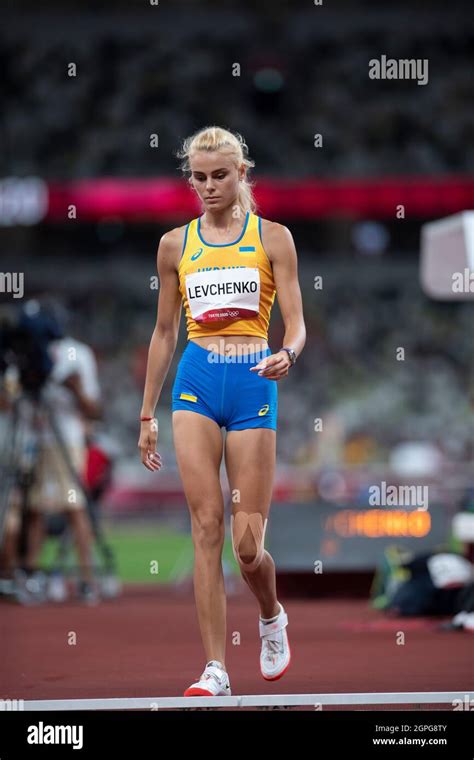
(209, 161)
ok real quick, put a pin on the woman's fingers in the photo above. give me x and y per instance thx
(152, 456)
(278, 373)
(153, 460)
(148, 440)
(149, 456)
(266, 364)
(272, 365)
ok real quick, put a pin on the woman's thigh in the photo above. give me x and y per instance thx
(198, 445)
(250, 464)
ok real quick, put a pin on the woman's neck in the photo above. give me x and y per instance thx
(222, 220)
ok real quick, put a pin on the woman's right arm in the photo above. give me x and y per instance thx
(163, 342)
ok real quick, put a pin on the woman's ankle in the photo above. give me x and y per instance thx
(218, 663)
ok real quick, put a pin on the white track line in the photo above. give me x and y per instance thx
(266, 700)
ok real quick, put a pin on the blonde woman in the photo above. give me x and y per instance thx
(225, 267)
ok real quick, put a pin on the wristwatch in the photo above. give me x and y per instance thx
(291, 353)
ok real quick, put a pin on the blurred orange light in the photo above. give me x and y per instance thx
(374, 523)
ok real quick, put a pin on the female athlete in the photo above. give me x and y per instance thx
(225, 267)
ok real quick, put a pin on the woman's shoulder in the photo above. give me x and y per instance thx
(273, 233)
(174, 236)
(172, 242)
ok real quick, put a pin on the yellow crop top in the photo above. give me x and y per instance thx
(226, 288)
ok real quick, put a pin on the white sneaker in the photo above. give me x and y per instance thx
(275, 655)
(214, 682)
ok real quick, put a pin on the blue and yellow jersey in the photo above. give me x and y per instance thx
(226, 288)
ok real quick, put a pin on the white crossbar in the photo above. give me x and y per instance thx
(265, 700)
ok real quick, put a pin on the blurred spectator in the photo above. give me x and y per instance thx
(303, 71)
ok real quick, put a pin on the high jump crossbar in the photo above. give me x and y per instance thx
(452, 698)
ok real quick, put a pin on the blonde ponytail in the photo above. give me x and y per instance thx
(231, 143)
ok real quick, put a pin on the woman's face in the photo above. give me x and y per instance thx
(215, 178)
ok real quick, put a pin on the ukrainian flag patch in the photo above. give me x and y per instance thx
(188, 397)
(246, 250)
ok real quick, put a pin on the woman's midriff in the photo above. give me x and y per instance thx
(247, 343)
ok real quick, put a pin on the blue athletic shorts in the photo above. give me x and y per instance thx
(223, 388)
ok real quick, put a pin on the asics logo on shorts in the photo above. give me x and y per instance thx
(264, 410)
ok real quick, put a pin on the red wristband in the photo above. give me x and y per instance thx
(146, 419)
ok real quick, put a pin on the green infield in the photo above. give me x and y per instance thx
(153, 553)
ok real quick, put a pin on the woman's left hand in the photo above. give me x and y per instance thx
(273, 367)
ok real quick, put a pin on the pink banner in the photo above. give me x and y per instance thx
(165, 200)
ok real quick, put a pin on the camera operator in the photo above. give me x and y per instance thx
(72, 391)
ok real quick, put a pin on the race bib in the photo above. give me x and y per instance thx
(224, 294)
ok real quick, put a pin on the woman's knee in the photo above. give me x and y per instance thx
(248, 539)
(208, 529)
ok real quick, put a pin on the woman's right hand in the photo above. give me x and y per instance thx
(147, 444)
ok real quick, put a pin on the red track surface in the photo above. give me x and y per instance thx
(147, 643)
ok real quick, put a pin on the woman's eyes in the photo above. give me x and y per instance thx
(218, 176)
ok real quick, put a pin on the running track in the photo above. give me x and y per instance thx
(146, 643)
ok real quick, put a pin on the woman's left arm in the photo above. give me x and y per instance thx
(278, 243)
